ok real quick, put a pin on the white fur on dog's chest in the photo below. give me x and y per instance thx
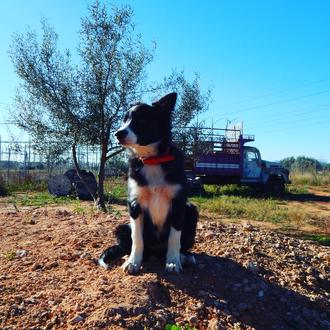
(156, 197)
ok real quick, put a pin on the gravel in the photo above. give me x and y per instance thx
(245, 278)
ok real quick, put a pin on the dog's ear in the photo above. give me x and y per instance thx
(167, 102)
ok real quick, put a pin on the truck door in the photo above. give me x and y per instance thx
(252, 164)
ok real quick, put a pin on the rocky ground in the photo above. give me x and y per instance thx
(245, 278)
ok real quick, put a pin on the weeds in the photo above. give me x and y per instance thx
(297, 189)
(83, 209)
(38, 199)
(78, 208)
(40, 185)
(117, 213)
(239, 207)
(116, 191)
(10, 255)
(177, 327)
(321, 239)
(235, 202)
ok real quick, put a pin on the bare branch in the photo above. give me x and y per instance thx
(115, 153)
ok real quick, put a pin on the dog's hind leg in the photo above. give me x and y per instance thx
(176, 219)
(123, 234)
(124, 240)
(188, 234)
(189, 227)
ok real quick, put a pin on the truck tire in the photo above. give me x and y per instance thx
(79, 187)
(275, 186)
(59, 185)
(195, 187)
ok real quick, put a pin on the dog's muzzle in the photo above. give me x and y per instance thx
(121, 135)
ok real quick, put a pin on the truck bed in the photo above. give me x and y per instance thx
(218, 163)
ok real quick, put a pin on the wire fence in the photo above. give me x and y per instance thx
(20, 162)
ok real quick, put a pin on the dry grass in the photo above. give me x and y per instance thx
(293, 213)
(257, 209)
(300, 211)
(310, 178)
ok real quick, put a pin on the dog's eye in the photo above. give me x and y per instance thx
(139, 118)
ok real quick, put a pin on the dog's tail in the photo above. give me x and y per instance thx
(124, 240)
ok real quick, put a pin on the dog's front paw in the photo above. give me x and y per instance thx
(173, 265)
(131, 267)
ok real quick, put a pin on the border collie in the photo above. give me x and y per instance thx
(162, 222)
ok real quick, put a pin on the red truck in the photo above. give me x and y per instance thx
(220, 156)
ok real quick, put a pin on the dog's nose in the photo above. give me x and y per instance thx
(121, 134)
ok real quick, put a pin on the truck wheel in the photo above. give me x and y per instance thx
(275, 186)
(195, 187)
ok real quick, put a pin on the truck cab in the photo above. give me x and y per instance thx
(252, 164)
(269, 174)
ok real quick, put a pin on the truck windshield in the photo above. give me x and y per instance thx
(251, 156)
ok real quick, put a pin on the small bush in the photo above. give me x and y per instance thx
(116, 190)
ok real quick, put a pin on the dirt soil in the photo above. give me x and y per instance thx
(246, 277)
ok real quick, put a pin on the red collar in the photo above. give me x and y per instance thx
(156, 160)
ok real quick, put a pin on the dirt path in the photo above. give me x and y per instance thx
(316, 200)
(245, 278)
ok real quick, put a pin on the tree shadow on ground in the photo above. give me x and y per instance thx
(259, 193)
(306, 197)
(243, 296)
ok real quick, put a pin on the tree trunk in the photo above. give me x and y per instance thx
(76, 164)
(100, 202)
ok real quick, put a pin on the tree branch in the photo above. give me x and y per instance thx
(115, 153)
(112, 148)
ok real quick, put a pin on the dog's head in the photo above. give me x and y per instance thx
(146, 126)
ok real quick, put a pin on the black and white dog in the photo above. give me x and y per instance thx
(162, 222)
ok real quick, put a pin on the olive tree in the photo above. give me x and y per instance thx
(68, 104)
(67, 100)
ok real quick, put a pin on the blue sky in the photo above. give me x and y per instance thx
(268, 62)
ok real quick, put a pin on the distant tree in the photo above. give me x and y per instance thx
(64, 104)
(288, 162)
(304, 163)
(325, 166)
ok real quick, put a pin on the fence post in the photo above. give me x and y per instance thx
(8, 164)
